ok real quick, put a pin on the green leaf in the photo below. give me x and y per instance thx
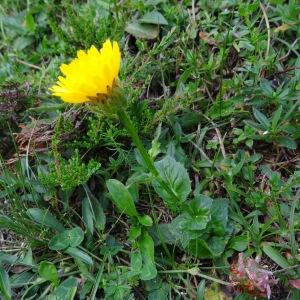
(111, 246)
(199, 248)
(99, 216)
(22, 42)
(59, 242)
(136, 261)
(22, 279)
(142, 31)
(180, 230)
(93, 209)
(13, 23)
(275, 255)
(47, 270)
(262, 119)
(209, 248)
(287, 142)
(84, 271)
(45, 218)
(276, 117)
(201, 290)
(65, 291)
(145, 220)
(154, 2)
(266, 87)
(5, 288)
(30, 23)
(154, 17)
(72, 237)
(163, 234)
(121, 197)
(87, 215)
(295, 295)
(217, 244)
(80, 255)
(249, 143)
(254, 125)
(176, 177)
(7, 258)
(239, 243)
(220, 109)
(146, 246)
(198, 213)
(27, 259)
(134, 232)
(159, 291)
(75, 236)
(219, 216)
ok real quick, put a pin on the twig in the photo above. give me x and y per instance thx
(28, 148)
(221, 141)
(197, 274)
(285, 269)
(288, 53)
(28, 64)
(291, 47)
(285, 71)
(193, 10)
(204, 154)
(268, 29)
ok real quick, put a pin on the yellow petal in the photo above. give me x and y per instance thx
(92, 72)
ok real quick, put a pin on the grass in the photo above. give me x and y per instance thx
(212, 89)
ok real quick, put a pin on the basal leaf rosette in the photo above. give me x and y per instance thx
(90, 77)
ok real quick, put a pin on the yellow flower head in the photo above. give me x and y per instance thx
(89, 76)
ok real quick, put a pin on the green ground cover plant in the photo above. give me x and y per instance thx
(190, 190)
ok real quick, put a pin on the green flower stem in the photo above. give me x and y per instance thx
(136, 139)
(98, 279)
(123, 116)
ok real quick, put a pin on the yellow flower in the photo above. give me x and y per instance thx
(90, 76)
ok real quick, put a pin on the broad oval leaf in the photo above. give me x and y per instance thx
(136, 261)
(176, 177)
(219, 216)
(146, 220)
(146, 245)
(75, 236)
(287, 142)
(200, 248)
(45, 218)
(239, 243)
(121, 197)
(142, 31)
(66, 290)
(68, 238)
(154, 17)
(134, 232)
(80, 255)
(59, 242)
(48, 271)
